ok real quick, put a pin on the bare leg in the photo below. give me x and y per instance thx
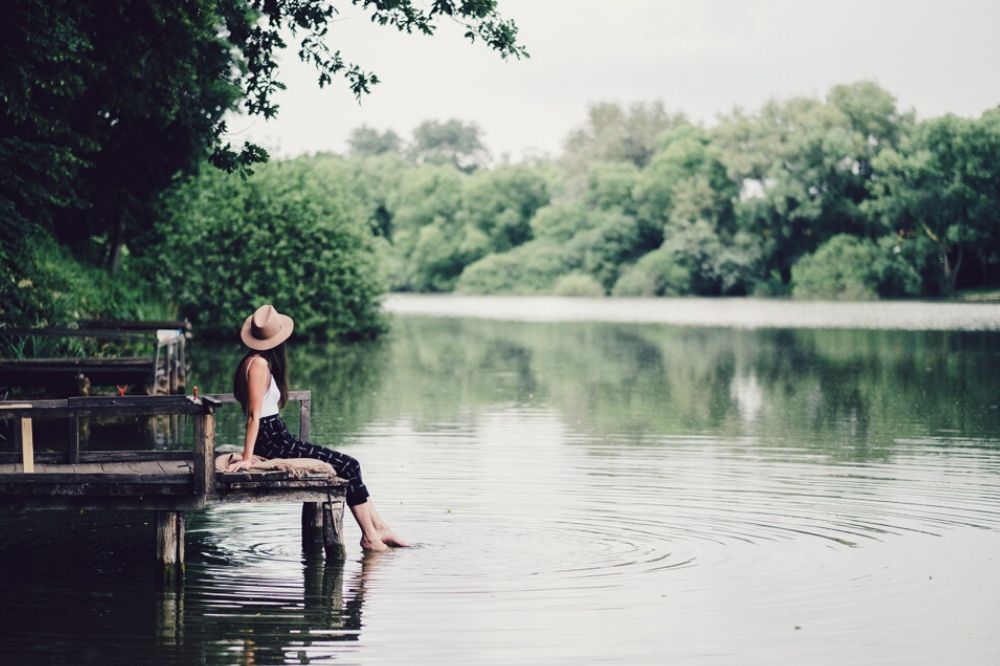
(370, 537)
(387, 535)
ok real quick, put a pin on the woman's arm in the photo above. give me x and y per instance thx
(257, 383)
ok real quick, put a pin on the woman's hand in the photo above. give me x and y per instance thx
(238, 465)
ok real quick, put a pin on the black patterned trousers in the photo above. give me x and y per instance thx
(274, 441)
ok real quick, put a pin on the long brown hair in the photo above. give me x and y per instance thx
(277, 361)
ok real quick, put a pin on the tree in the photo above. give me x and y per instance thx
(804, 166)
(500, 203)
(615, 134)
(116, 98)
(365, 141)
(452, 142)
(941, 192)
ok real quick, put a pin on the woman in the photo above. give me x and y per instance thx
(261, 387)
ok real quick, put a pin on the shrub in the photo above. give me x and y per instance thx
(577, 284)
(849, 268)
(285, 236)
(657, 273)
(532, 268)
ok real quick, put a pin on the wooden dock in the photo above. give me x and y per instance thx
(164, 372)
(170, 483)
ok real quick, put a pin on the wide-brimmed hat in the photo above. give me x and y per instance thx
(266, 328)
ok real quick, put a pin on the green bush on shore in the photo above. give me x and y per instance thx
(288, 235)
(849, 268)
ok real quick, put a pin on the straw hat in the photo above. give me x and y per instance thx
(266, 328)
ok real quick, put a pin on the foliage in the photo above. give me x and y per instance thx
(365, 141)
(805, 166)
(941, 192)
(452, 142)
(614, 134)
(657, 273)
(577, 284)
(500, 204)
(532, 268)
(287, 236)
(849, 268)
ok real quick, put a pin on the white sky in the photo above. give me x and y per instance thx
(701, 57)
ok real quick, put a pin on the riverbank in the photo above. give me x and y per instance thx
(717, 312)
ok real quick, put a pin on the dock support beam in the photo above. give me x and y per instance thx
(312, 526)
(170, 545)
(333, 531)
(323, 525)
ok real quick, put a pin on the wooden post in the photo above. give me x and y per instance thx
(305, 407)
(204, 455)
(73, 448)
(312, 526)
(170, 544)
(27, 446)
(333, 530)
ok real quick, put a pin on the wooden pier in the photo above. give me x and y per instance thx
(170, 483)
(162, 373)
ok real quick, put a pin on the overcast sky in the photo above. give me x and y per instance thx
(702, 57)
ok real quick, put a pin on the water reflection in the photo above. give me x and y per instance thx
(582, 492)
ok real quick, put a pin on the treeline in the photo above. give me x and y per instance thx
(845, 197)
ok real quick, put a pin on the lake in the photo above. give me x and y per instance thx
(583, 488)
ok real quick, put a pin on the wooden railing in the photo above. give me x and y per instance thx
(202, 455)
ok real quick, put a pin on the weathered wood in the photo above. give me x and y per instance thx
(305, 407)
(27, 447)
(135, 325)
(312, 525)
(333, 530)
(100, 333)
(94, 478)
(73, 443)
(130, 405)
(170, 544)
(204, 455)
(101, 456)
(271, 496)
(264, 484)
(229, 398)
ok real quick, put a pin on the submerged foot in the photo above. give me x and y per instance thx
(389, 538)
(373, 545)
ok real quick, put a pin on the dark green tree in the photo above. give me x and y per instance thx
(104, 102)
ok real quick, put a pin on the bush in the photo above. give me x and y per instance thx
(655, 274)
(849, 268)
(285, 236)
(578, 284)
(532, 268)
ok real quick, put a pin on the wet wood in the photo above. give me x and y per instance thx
(312, 525)
(333, 530)
(170, 543)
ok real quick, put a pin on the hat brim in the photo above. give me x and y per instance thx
(258, 344)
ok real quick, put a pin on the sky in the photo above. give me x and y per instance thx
(701, 57)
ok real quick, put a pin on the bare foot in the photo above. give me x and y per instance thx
(373, 545)
(390, 539)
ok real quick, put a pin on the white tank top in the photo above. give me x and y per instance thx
(269, 407)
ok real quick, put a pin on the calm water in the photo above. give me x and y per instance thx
(581, 493)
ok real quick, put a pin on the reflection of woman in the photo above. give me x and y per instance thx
(260, 384)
